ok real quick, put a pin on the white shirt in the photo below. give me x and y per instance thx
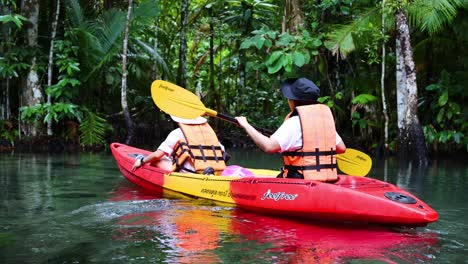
(167, 146)
(289, 135)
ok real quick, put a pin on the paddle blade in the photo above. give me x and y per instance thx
(175, 100)
(354, 162)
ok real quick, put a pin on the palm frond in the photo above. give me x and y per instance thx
(93, 129)
(157, 57)
(75, 13)
(433, 15)
(340, 40)
(146, 10)
(112, 27)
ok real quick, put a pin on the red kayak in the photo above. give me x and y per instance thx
(349, 199)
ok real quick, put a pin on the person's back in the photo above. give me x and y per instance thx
(192, 147)
(305, 157)
(199, 147)
(315, 159)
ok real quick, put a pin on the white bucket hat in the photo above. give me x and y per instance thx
(196, 121)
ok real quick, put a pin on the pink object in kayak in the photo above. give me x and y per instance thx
(235, 170)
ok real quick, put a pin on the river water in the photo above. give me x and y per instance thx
(79, 209)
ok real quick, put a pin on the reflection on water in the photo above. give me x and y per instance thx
(202, 233)
(79, 209)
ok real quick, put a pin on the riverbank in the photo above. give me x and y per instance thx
(150, 135)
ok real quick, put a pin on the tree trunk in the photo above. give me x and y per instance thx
(108, 4)
(4, 82)
(293, 18)
(412, 141)
(214, 91)
(401, 94)
(241, 89)
(51, 61)
(5, 112)
(32, 91)
(126, 112)
(247, 28)
(382, 84)
(182, 70)
(154, 69)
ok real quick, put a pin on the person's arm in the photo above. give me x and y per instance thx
(155, 156)
(266, 144)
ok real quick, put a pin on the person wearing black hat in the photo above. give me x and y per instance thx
(307, 139)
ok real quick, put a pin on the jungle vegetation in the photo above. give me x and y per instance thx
(394, 71)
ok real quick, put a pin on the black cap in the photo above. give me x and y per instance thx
(300, 89)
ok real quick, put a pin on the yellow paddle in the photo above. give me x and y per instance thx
(182, 103)
(354, 162)
(177, 101)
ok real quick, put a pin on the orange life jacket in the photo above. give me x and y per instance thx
(316, 160)
(200, 145)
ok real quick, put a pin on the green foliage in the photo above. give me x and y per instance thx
(61, 110)
(155, 56)
(7, 132)
(93, 129)
(7, 239)
(63, 91)
(100, 42)
(450, 126)
(372, 38)
(341, 38)
(335, 7)
(362, 118)
(339, 48)
(46, 112)
(330, 101)
(364, 99)
(245, 15)
(433, 16)
(285, 51)
(12, 64)
(340, 41)
(13, 57)
(67, 63)
(13, 18)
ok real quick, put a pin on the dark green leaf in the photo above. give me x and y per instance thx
(443, 98)
(299, 59)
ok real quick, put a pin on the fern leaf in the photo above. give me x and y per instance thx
(93, 129)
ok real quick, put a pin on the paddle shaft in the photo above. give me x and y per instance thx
(231, 119)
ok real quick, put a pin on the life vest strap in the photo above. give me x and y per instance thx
(311, 153)
(204, 147)
(214, 153)
(184, 148)
(205, 158)
(315, 167)
(199, 147)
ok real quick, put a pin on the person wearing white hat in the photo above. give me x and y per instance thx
(165, 157)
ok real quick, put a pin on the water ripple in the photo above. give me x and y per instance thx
(112, 210)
